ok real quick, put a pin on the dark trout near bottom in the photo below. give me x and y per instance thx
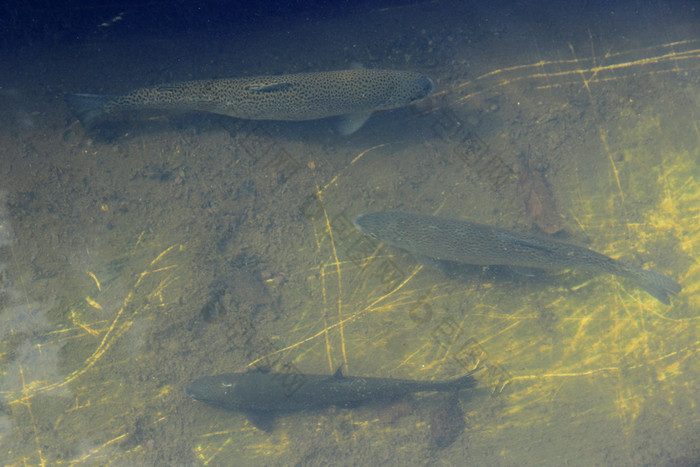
(263, 395)
(436, 239)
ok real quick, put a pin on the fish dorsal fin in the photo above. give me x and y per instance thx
(338, 373)
(259, 369)
(349, 124)
(356, 65)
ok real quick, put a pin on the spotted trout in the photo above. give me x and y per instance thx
(262, 395)
(434, 240)
(351, 94)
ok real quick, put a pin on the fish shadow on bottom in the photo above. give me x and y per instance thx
(524, 279)
(136, 125)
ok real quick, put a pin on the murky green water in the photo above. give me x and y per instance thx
(137, 260)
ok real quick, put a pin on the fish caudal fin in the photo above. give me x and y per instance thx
(656, 284)
(463, 382)
(89, 108)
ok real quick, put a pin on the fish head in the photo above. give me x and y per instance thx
(215, 390)
(385, 226)
(409, 87)
(422, 87)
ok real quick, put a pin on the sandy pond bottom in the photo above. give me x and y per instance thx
(141, 256)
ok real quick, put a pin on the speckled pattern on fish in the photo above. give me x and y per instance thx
(303, 96)
(437, 239)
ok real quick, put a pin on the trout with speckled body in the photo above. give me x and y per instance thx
(436, 239)
(352, 94)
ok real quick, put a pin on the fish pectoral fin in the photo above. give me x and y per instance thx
(263, 421)
(271, 87)
(89, 108)
(349, 124)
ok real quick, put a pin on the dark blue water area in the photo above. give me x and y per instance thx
(44, 21)
(76, 21)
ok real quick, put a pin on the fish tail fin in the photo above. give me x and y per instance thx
(89, 108)
(656, 284)
(466, 381)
